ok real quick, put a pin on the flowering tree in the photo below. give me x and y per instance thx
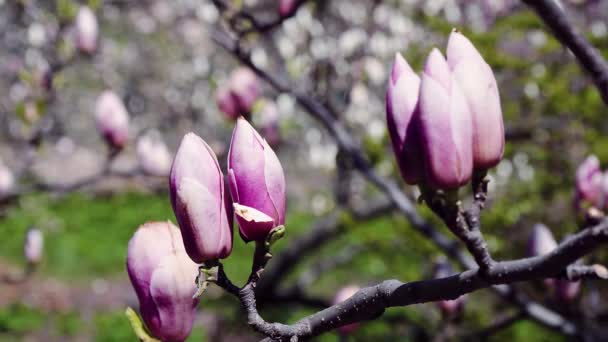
(445, 124)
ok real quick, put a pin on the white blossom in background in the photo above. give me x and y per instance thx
(87, 30)
(33, 246)
(7, 180)
(153, 155)
(112, 119)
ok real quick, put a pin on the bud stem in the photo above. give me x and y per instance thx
(138, 326)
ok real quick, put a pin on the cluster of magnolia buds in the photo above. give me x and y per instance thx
(591, 185)
(447, 122)
(162, 259)
(86, 30)
(542, 242)
(237, 96)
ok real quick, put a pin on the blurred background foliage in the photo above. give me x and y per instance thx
(554, 118)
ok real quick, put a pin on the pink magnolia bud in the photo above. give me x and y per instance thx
(200, 201)
(269, 123)
(567, 291)
(342, 295)
(227, 102)
(541, 241)
(163, 278)
(481, 92)
(445, 126)
(245, 88)
(112, 119)
(33, 246)
(7, 180)
(257, 183)
(402, 117)
(286, 7)
(589, 182)
(449, 308)
(87, 30)
(153, 155)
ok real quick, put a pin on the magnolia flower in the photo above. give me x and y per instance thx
(257, 183)
(7, 180)
(479, 87)
(342, 295)
(87, 30)
(33, 246)
(112, 119)
(449, 308)
(163, 278)
(200, 201)
(590, 183)
(153, 155)
(445, 126)
(402, 117)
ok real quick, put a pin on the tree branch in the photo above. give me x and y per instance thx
(370, 302)
(588, 56)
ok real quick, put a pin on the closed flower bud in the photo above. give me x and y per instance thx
(567, 291)
(257, 183)
(245, 88)
(7, 180)
(479, 86)
(286, 7)
(163, 278)
(589, 182)
(112, 119)
(200, 201)
(342, 295)
(33, 246)
(402, 118)
(87, 30)
(445, 126)
(449, 308)
(541, 241)
(153, 155)
(227, 103)
(269, 123)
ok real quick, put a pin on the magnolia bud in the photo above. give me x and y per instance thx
(589, 182)
(479, 86)
(342, 295)
(245, 88)
(269, 123)
(567, 291)
(402, 118)
(227, 103)
(153, 155)
(445, 126)
(7, 180)
(87, 30)
(163, 278)
(286, 7)
(541, 241)
(33, 246)
(200, 201)
(257, 183)
(449, 308)
(112, 119)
